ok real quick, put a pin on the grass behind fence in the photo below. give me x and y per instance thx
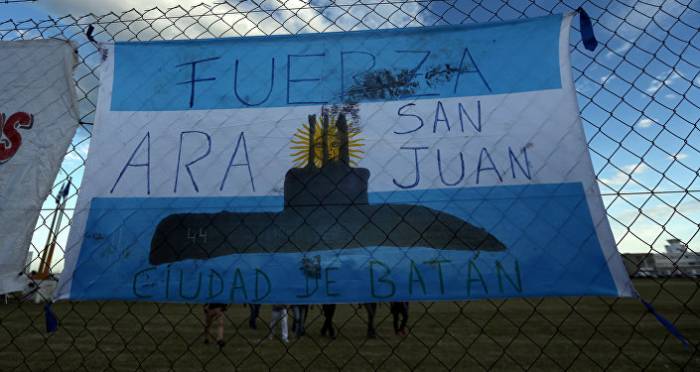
(544, 334)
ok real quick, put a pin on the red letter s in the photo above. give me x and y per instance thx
(9, 130)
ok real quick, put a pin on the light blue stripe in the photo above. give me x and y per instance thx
(552, 250)
(332, 68)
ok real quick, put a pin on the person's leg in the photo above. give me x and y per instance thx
(252, 317)
(283, 325)
(404, 317)
(395, 316)
(256, 315)
(331, 314)
(371, 311)
(295, 317)
(326, 320)
(207, 325)
(220, 328)
(303, 311)
(368, 310)
(274, 319)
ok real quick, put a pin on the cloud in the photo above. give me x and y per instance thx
(645, 123)
(80, 7)
(72, 156)
(78, 153)
(211, 18)
(679, 156)
(623, 48)
(653, 86)
(219, 18)
(660, 213)
(620, 50)
(627, 172)
(654, 224)
(659, 81)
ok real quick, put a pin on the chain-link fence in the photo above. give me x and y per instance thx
(639, 96)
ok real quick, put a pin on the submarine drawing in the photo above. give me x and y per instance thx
(325, 207)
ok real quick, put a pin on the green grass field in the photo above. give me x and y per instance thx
(542, 334)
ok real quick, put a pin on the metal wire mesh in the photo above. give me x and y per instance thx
(639, 95)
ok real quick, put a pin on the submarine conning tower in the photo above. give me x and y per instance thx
(335, 182)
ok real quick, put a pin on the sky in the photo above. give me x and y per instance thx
(651, 141)
(41, 8)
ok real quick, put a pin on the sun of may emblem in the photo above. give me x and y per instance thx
(303, 140)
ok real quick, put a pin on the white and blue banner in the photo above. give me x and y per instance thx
(438, 163)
